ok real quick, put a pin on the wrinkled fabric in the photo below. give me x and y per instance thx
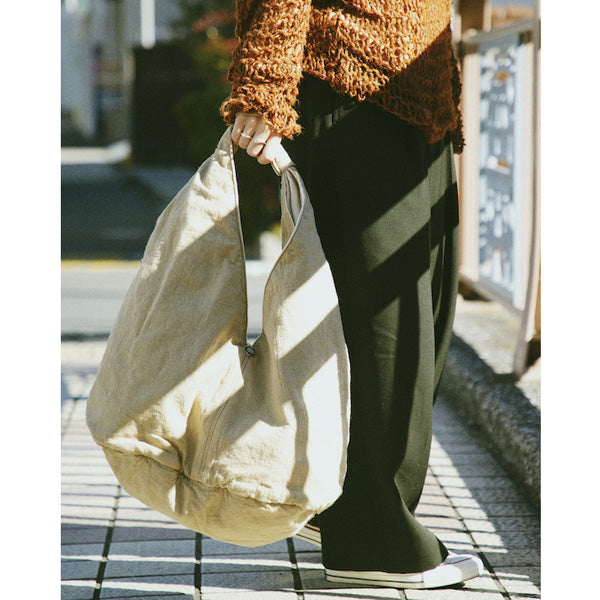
(242, 443)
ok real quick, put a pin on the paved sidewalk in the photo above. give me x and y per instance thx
(114, 547)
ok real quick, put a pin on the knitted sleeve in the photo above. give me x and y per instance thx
(267, 63)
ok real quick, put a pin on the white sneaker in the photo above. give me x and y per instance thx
(310, 533)
(455, 569)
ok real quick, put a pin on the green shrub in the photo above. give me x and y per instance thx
(198, 115)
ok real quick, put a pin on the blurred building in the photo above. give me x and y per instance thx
(483, 15)
(97, 72)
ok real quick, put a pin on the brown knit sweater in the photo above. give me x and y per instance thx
(397, 54)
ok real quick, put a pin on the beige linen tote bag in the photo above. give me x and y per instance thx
(244, 443)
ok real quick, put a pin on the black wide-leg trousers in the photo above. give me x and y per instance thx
(386, 209)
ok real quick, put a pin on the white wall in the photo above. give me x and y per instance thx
(75, 74)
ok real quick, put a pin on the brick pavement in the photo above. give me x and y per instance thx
(115, 547)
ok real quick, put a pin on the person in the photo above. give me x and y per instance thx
(366, 94)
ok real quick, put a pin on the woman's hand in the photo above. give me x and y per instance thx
(252, 134)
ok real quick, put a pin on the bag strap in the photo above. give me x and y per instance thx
(282, 162)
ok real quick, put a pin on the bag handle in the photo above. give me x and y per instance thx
(282, 161)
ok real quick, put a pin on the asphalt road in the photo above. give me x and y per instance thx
(92, 293)
(105, 214)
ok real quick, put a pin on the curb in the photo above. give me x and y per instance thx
(499, 410)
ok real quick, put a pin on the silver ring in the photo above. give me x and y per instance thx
(246, 135)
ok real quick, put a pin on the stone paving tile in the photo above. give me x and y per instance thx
(93, 512)
(281, 580)
(154, 548)
(87, 491)
(83, 535)
(89, 471)
(77, 589)
(450, 523)
(150, 586)
(452, 594)
(515, 557)
(480, 460)
(141, 515)
(520, 580)
(303, 546)
(456, 540)
(362, 593)
(517, 523)
(127, 501)
(485, 496)
(475, 483)
(309, 560)
(467, 501)
(435, 510)
(242, 563)
(82, 551)
(510, 539)
(79, 569)
(506, 509)
(468, 470)
(249, 595)
(79, 523)
(190, 596)
(90, 500)
(136, 566)
(132, 531)
(90, 479)
(210, 546)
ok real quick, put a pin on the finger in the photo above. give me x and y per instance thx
(259, 139)
(248, 133)
(238, 127)
(270, 150)
(243, 122)
(255, 147)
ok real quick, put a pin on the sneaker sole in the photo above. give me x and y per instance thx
(310, 534)
(442, 576)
